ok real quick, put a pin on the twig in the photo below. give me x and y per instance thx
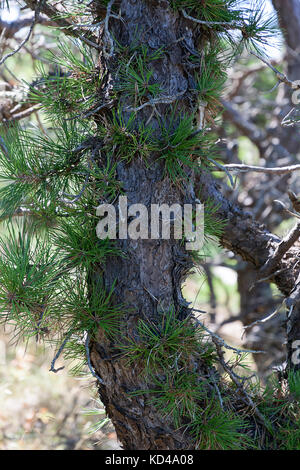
(235, 379)
(106, 29)
(12, 27)
(27, 112)
(259, 169)
(222, 168)
(212, 23)
(221, 341)
(52, 368)
(264, 320)
(35, 18)
(279, 75)
(267, 278)
(76, 197)
(285, 209)
(162, 100)
(63, 24)
(88, 359)
(286, 243)
(212, 376)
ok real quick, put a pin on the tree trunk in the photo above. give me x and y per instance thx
(149, 278)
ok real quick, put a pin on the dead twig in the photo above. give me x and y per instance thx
(88, 359)
(259, 169)
(34, 20)
(279, 75)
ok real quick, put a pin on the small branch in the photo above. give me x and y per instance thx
(88, 359)
(294, 297)
(222, 168)
(259, 169)
(64, 24)
(212, 23)
(12, 27)
(286, 243)
(212, 376)
(286, 210)
(52, 368)
(76, 197)
(108, 36)
(239, 385)
(221, 341)
(279, 75)
(22, 114)
(264, 320)
(169, 99)
(34, 20)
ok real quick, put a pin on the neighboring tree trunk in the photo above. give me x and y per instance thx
(256, 305)
(288, 12)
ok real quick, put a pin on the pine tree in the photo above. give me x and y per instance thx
(129, 114)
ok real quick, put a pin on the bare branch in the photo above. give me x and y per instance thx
(60, 350)
(64, 25)
(34, 20)
(259, 169)
(222, 343)
(210, 24)
(279, 75)
(12, 27)
(88, 359)
(266, 319)
(281, 249)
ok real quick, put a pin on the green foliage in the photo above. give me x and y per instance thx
(46, 283)
(177, 397)
(218, 429)
(211, 79)
(178, 146)
(132, 140)
(210, 10)
(71, 85)
(260, 28)
(79, 245)
(135, 77)
(256, 26)
(86, 309)
(29, 271)
(280, 404)
(213, 224)
(36, 169)
(98, 410)
(294, 384)
(169, 343)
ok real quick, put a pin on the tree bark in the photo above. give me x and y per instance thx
(149, 278)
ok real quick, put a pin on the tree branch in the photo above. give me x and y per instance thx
(66, 26)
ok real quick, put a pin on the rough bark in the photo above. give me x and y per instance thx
(149, 278)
